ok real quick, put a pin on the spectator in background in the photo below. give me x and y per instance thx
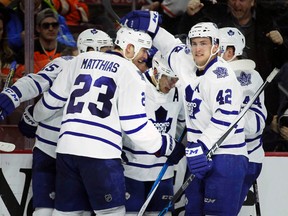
(46, 47)
(264, 41)
(171, 10)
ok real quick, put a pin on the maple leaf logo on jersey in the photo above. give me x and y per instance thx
(162, 123)
(221, 72)
(192, 105)
(244, 78)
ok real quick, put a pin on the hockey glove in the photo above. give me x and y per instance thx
(27, 124)
(147, 21)
(168, 145)
(177, 154)
(9, 101)
(197, 161)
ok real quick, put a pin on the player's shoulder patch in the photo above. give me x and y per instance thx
(244, 78)
(221, 72)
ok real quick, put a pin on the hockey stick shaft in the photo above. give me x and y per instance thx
(257, 200)
(222, 138)
(7, 147)
(11, 74)
(109, 9)
(158, 179)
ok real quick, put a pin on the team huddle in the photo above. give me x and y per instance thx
(109, 119)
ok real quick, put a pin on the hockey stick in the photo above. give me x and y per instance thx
(109, 9)
(158, 179)
(7, 147)
(222, 138)
(257, 200)
(11, 74)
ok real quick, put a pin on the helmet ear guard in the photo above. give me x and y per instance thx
(93, 38)
(230, 36)
(139, 39)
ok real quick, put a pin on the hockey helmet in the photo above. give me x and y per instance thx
(93, 38)
(205, 29)
(230, 36)
(160, 64)
(139, 39)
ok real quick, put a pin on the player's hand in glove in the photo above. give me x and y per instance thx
(177, 154)
(27, 124)
(168, 145)
(9, 101)
(147, 21)
(197, 161)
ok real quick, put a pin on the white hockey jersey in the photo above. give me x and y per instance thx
(212, 100)
(34, 85)
(103, 94)
(250, 80)
(165, 111)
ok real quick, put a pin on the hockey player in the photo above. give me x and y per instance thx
(212, 97)
(104, 95)
(232, 43)
(164, 107)
(46, 137)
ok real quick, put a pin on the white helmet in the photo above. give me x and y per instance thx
(230, 36)
(127, 36)
(160, 64)
(205, 29)
(93, 38)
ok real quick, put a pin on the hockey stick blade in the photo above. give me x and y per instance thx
(7, 147)
(158, 179)
(109, 9)
(222, 138)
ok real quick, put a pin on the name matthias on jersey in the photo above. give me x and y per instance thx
(100, 64)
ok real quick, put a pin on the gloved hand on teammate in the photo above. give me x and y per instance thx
(177, 154)
(197, 161)
(27, 125)
(9, 101)
(147, 21)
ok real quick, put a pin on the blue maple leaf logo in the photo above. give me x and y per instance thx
(193, 105)
(244, 79)
(221, 72)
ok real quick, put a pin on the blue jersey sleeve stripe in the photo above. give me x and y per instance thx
(239, 130)
(227, 112)
(145, 165)
(46, 141)
(48, 106)
(46, 78)
(255, 138)
(91, 137)
(136, 152)
(130, 117)
(49, 127)
(194, 131)
(257, 147)
(219, 122)
(240, 145)
(258, 112)
(136, 129)
(94, 124)
(56, 96)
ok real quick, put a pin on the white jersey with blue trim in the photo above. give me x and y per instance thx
(165, 111)
(103, 94)
(250, 80)
(212, 97)
(34, 85)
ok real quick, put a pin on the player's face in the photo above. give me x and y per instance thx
(241, 9)
(140, 60)
(201, 50)
(166, 83)
(228, 54)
